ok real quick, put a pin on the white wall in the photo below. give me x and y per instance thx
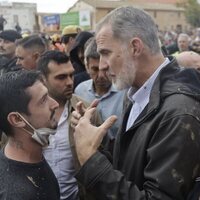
(23, 12)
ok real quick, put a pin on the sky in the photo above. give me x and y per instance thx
(49, 6)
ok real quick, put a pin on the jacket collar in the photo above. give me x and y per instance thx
(155, 97)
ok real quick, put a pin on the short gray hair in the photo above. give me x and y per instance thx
(128, 22)
(184, 35)
(91, 50)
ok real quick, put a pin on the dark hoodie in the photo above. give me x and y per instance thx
(80, 71)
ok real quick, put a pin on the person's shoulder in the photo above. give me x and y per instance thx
(83, 85)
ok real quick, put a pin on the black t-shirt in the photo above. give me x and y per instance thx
(25, 181)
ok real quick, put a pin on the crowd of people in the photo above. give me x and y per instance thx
(109, 114)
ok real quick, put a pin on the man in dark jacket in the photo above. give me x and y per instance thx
(7, 50)
(77, 57)
(156, 153)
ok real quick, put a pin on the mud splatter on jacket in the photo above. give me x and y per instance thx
(159, 156)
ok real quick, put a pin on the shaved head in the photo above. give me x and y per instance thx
(189, 59)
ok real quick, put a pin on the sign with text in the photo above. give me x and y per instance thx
(81, 19)
(51, 22)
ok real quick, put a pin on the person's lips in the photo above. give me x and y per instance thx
(68, 91)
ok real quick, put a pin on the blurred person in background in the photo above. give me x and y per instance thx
(189, 59)
(110, 100)
(28, 51)
(3, 21)
(18, 28)
(68, 37)
(8, 60)
(56, 43)
(58, 74)
(77, 57)
(183, 43)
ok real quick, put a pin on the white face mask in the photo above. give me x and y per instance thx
(40, 135)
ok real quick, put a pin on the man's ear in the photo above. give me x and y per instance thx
(36, 55)
(44, 80)
(137, 46)
(15, 120)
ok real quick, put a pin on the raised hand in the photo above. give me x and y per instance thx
(80, 111)
(88, 137)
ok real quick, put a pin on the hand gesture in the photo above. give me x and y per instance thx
(89, 137)
(80, 111)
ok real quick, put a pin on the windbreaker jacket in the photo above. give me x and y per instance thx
(159, 156)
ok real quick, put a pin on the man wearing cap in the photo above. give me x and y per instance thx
(68, 37)
(7, 50)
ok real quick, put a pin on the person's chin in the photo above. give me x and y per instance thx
(120, 85)
(54, 126)
(68, 96)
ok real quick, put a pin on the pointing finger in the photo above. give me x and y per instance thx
(89, 113)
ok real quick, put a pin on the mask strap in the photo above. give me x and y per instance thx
(26, 122)
(27, 131)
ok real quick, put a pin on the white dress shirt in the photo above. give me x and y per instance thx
(141, 98)
(59, 157)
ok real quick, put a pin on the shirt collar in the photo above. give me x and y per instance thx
(65, 113)
(91, 89)
(142, 95)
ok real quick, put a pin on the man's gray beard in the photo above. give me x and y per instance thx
(120, 85)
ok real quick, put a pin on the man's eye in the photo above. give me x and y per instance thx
(61, 77)
(44, 99)
(95, 70)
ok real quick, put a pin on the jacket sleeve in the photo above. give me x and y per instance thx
(172, 164)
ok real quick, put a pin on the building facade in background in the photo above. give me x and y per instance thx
(25, 14)
(86, 13)
(167, 14)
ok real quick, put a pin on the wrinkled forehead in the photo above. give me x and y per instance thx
(105, 30)
(105, 38)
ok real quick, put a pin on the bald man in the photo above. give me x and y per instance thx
(189, 59)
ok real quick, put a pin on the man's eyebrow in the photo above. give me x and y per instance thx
(19, 57)
(95, 66)
(43, 97)
(103, 51)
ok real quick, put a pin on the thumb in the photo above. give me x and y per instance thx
(108, 123)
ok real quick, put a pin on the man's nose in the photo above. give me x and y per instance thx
(103, 66)
(18, 62)
(101, 73)
(69, 81)
(54, 104)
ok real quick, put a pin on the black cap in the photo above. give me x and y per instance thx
(10, 35)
